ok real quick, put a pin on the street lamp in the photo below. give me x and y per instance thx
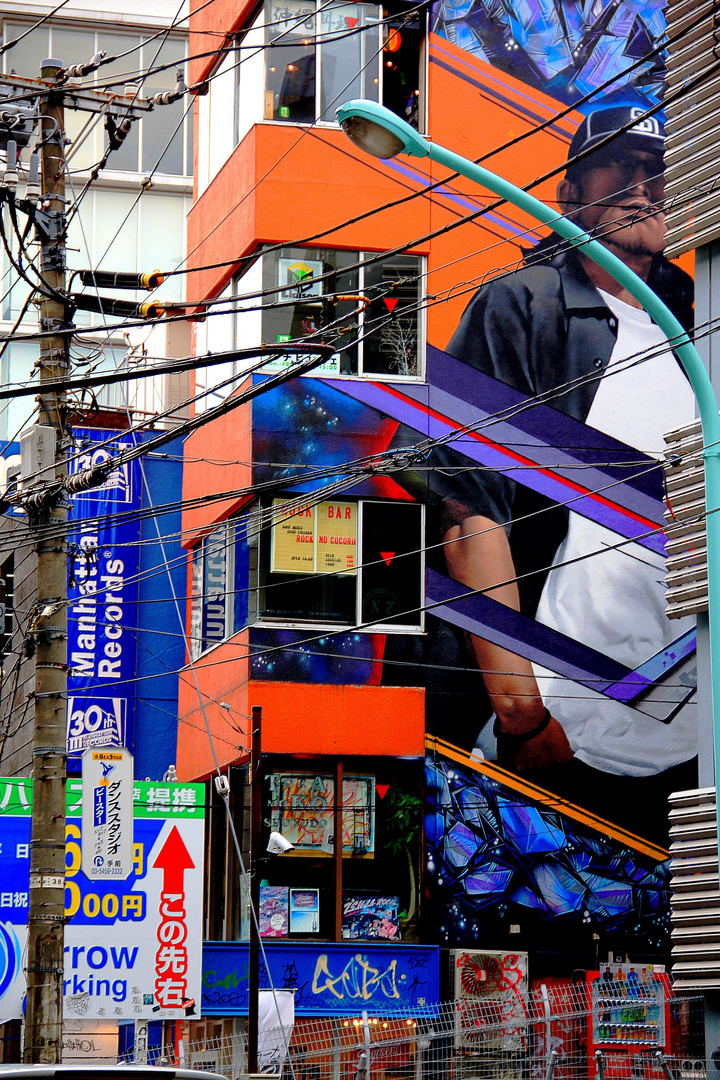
(381, 133)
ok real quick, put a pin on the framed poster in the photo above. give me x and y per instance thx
(273, 915)
(370, 917)
(304, 911)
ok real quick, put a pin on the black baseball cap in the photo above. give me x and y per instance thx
(645, 133)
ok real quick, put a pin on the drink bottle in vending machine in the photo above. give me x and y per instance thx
(628, 1016)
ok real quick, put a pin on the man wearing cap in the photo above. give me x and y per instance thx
(562, 327)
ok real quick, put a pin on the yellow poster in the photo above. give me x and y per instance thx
(293, 541)
(336, 537)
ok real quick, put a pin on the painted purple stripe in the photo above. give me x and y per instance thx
(589, 445)
(656, 668)
(531, 115)
(554, 129)
(503, 223)
(501, 625)
(414, 416)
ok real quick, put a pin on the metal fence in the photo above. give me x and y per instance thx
(544, 1035)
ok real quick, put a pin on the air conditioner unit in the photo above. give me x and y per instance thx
(490, 991)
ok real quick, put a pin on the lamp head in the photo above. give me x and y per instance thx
(378, 131)
(278, 845)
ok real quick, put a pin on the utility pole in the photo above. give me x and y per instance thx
(46, 920)
(255, 839)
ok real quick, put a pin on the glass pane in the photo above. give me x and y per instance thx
(196, 604)
(81, 154)
(126, 68)
(72, 46)
(392, 563)
(162, 129)
(162, 222)
(300, 596)
(115, 244)
(118, 73)
(290, 83)
(401, 64)
(392, 320)
(349, 55)
(307, 282)
(290, 73)
(17, 367)
(162, 138)
(25, 57)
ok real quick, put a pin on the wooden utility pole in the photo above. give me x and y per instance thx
(255, 862)
(46, 921)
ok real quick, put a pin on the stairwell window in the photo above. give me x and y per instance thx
(342, 562)
(368, 307)
(321, 54)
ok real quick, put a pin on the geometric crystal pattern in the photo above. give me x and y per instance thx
(494, 858)
(566, 49)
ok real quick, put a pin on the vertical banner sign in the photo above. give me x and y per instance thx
(102, 592)
(133, 946)
(107, 814)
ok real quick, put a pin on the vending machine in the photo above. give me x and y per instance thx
(629, 1014)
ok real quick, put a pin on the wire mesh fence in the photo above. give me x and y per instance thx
(546, 1034)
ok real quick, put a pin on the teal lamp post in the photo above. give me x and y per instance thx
(381, 133)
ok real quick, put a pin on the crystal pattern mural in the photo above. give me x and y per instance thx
(494, 858)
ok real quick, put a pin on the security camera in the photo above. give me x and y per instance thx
(277, 844)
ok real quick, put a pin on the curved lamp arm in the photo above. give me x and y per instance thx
(381, 133)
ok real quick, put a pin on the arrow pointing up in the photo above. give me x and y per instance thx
(174, 859)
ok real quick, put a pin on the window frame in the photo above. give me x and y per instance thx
(258, 21)
(265, 622)
(361, 257)
(99, 30)
(196, 645)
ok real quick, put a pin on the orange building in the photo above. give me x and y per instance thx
(308, 507)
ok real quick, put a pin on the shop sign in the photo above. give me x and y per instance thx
(133, 946)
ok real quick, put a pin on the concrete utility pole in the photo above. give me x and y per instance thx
(46, 919)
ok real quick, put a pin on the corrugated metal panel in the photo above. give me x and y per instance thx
(695, 890)
(686, 566)
(693, 124)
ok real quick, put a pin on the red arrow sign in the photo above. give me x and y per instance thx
(390, 304)
(387, 557)
(174, 859)
(352, 23)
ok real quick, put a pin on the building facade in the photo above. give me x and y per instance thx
(320, 583)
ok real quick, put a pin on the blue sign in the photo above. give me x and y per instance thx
(103, 593)
(328, 979)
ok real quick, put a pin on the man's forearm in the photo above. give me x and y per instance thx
(478, 555)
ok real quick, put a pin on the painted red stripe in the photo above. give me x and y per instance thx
(519, 458)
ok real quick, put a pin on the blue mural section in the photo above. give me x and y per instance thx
(328, 979)
(494, 858)
(565, 49)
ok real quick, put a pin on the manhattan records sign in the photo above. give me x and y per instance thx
(107, 814)
(133, 947)
(102, 594)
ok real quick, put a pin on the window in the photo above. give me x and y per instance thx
(7, 585)
(321, 54)
(343, 562)
(161, 138)
(372, 307)
(218, 608)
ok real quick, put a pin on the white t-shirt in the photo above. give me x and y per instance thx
(615, 601)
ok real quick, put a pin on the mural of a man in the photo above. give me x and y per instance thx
(562, 326)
